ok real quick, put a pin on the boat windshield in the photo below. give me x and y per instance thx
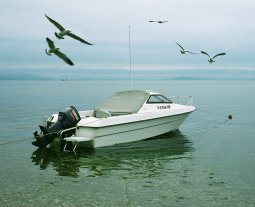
(158, 99)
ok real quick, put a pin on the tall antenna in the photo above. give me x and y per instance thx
(130, 69)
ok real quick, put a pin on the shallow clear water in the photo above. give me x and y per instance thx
(208, 162)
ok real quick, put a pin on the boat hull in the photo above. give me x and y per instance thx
(129, 132)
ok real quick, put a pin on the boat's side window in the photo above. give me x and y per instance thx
(158, 99)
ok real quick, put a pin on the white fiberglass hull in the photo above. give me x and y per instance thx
(126, 116)
(132, 131)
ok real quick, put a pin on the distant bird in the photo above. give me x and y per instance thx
(211, 59)
(160, 22)
(54, 50)
(63, 32)
(183, 51)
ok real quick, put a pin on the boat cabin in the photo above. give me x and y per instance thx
(132, 101)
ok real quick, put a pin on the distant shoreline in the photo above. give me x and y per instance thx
(115, 74)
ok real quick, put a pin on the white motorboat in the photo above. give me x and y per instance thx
(126, 116)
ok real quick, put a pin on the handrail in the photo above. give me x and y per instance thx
(66, 130)
(190, 101)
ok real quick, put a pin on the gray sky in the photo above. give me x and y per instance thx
(213, 26)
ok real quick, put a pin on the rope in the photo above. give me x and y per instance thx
(228, 117)
(14, 141)
(24, 139)
(210, 128)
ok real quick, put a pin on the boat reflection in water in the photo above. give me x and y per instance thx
(145, 158)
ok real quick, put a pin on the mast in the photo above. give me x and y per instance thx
(130, 68)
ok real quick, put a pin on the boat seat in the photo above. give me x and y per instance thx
(102, 113)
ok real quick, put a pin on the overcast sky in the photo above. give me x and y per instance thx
(213, 26)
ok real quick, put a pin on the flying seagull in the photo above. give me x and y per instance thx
(160, 22)
(56, 51)
(183, 51)
(211, 59)
(63, 32)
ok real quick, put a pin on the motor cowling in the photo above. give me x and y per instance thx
(66, 120)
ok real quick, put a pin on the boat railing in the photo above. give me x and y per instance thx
(177, 98)
(66, 130)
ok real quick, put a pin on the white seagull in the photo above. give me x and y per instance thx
(63, 32)
(160, 22)
(55, 50)
(183, 51)
(211, 59)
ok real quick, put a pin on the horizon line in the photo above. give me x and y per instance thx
(134, 67)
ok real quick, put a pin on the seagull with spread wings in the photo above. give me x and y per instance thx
(54, 50)
(211, 59)
(63, 32)
(183, 51)
(160, 22)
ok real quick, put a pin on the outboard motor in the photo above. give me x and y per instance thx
(66, 120)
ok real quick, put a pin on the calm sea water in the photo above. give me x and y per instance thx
(208, 162)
